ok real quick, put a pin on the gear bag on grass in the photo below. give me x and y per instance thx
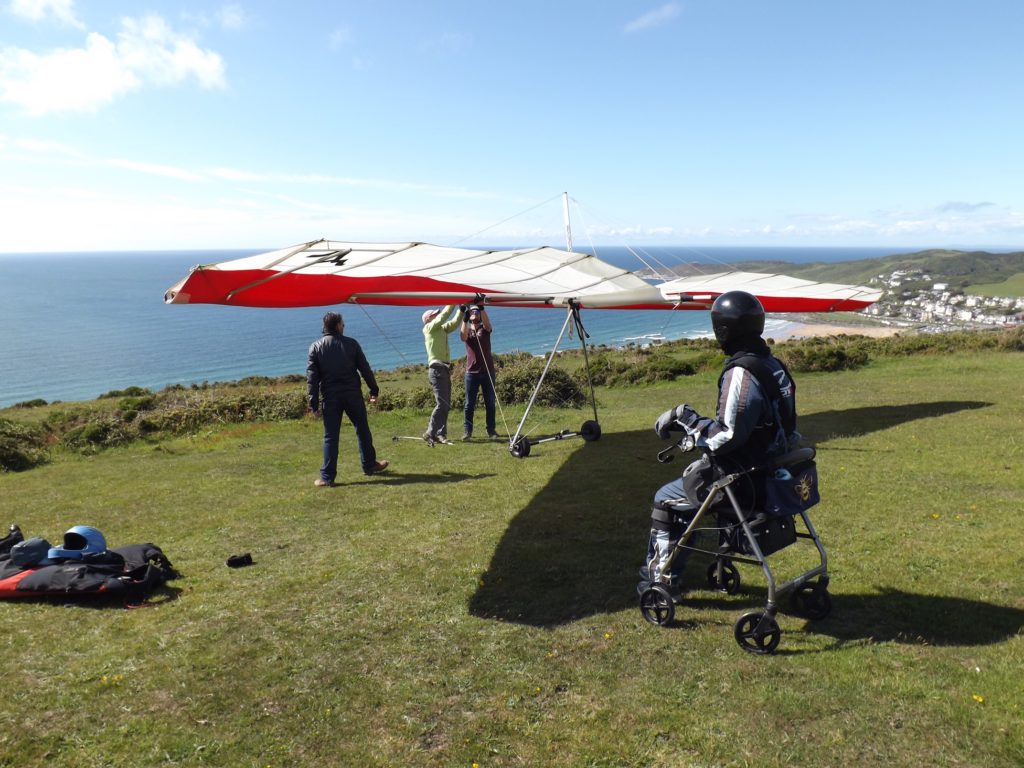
(130, 573)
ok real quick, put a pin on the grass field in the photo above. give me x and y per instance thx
(1012, 286)
(468, 608)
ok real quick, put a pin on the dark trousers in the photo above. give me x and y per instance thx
(351, 405)
(479, 382)
(440, 377)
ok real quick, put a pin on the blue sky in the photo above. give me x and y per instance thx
(167, 125)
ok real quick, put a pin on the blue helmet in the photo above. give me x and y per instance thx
(79, 541)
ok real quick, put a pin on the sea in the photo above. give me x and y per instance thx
(74, 326)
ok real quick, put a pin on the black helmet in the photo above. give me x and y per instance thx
(736, 315)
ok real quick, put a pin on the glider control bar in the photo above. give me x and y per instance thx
(450, 297)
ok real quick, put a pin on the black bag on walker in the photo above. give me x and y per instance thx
(791, 490)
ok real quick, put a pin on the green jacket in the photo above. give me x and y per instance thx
(435, 333)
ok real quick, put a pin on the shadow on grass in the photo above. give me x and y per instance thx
(574, 549)
(890, 615)
(103, 601)
(905, 617)
(853, 422)
(391, 477)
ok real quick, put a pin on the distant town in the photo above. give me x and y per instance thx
(911, 297)
(930, 296)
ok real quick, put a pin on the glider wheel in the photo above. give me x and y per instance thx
(728, 582)
(656, 605)
(812, 601)
(756, 632)
(520, 448)
(590, 431)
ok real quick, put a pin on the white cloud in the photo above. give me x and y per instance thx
(339, 38)
(155, 169)
(655, 18)
(38, 10)
(957, 206)
(83, 79)
(151, 47)
(232, 16)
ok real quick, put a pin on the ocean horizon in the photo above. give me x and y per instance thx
(74, 326)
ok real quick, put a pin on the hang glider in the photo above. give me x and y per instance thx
(327, 272)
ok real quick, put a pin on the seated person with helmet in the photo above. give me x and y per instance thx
(755, 421)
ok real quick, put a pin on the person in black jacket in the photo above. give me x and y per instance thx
(336, 363)
(755, 420)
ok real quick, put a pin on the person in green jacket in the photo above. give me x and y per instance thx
(437, 324)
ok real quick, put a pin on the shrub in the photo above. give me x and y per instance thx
(633, 368)
(21, 447)
(144, 403)
(1012, 339)
(832, 353)
(37, 403)
(128, 392)
(101, 433)
(516, 384)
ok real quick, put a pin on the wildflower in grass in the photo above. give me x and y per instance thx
(979, 699)
(537, 690)
(936, 515)
(607, 635)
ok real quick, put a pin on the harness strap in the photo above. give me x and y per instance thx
(759, 369)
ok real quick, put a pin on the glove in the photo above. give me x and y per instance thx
(687, 416)
(675, 419)
(665, 424)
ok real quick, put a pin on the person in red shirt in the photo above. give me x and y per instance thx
(476, 333)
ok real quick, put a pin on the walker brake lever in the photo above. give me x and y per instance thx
(666, 455)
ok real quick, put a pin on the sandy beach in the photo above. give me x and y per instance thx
(807, 327)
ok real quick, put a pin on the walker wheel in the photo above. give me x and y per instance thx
(812, 601)
(656, 605)
(520, 448)
(757, 632)
(729, 581)
(590, 431)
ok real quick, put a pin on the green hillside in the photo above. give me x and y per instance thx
(959, 268)
(471, 609)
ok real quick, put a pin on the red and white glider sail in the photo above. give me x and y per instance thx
(777, 293)
(325, 272)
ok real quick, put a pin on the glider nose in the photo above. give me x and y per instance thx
(173, 295)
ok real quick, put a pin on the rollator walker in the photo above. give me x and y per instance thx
(748, 536)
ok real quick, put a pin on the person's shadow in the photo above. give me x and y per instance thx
(574, 550)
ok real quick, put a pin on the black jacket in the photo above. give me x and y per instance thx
(335, 365)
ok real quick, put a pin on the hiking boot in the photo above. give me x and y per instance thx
(467, 436)
(428, 439)
(321, 483)
(377, 468)
(443, 440)
(493, 435)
